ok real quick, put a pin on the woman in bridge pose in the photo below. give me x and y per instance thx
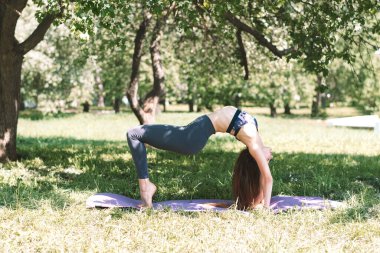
(252, 179)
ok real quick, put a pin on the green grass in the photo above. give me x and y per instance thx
(65, 160)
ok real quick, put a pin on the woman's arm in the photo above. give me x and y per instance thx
(266, 180)
(251, 138)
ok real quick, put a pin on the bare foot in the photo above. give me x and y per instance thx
(147, 190)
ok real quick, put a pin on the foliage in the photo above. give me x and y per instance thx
(56, 74)
(312, 29)
(357, 84)
(280, 83)
(200, 49)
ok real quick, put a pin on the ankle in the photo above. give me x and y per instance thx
(146, 185)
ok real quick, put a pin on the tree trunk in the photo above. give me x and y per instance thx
(315, 105)
(242, 54)
(190, 94)
(273, 110)
(324, 100)
(237, 100)
(163, 103)
(132, 91)
(287, 109)
(10, 86)
(99, 84)
(146, 112)
(316, 98)
(22, 103)
(86, 107)
(11, 56)
(150, 105)
(116, 105)
(191, 105)
(10, 79)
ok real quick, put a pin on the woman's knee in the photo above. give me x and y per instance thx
(130, 134)
(134, 133)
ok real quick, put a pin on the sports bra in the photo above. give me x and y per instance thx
(240, 119)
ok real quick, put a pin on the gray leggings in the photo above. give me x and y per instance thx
(185, 140)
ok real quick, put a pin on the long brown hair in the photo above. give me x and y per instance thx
(245, 180)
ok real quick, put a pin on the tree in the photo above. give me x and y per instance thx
(209, 69)
(304, 30)
(146, 110)
(12, 51)
(356, 84)
(313, 32)
(55, 73)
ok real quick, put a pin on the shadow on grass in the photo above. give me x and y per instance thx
(106, 166)
(38, 115)
(32, 196)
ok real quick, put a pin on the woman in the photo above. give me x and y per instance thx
(252, 179)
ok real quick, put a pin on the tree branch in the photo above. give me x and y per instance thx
(242, 54)
(152, 98)
(10, 12)
(132, 91)
(155, 44)
(257, 35)
(15, 6)
(38, 34)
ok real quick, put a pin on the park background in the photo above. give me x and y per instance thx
(93, 69)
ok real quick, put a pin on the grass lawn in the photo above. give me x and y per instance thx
(65, 160)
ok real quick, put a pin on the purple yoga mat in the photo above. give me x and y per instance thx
(278, 203)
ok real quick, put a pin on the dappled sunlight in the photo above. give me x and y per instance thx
(111, 157)
(281, 134)
(54, 184)
(304, 162)
(225, 141)
(55, 176)
(17, 174)
(76, 75)
(179, 119)
(27, 189)
(89, 127)
(310, 136)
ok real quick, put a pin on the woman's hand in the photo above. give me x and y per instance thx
(267, 153)
(266, 180)
(259, 200)
(262, 155)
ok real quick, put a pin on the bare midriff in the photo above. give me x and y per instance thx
(221, 118)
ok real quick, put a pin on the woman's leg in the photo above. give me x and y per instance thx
(185, 140)
(138, 150)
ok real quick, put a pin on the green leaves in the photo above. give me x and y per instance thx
(203, 40)
(312, 26)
